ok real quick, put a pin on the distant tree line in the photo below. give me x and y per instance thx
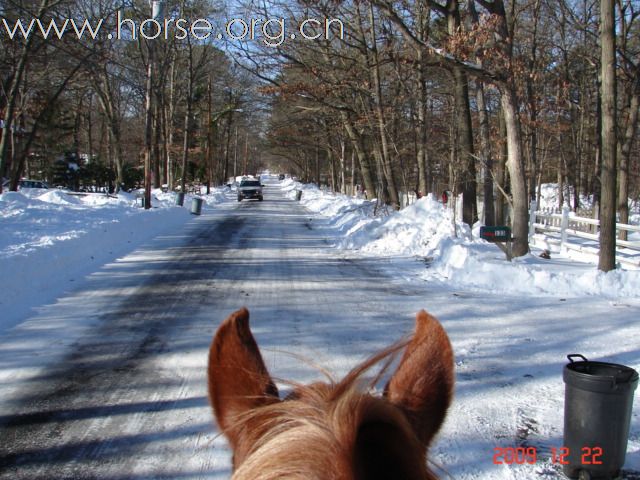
(83, 101)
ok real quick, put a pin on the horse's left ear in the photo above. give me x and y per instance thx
(422, 386)
(238, 378)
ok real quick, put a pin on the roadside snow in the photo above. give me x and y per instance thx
(454, 256)
(50, 239)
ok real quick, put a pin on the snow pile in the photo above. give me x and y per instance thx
(216, 196)
(419, 230)
(426, 230)
(474, 266)
(326, 203)
(550, 197)
(59, 197)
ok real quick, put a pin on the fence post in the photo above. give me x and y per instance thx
(596, 216)
(564, 226)
(532, 217)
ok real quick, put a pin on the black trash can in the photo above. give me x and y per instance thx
(597, 415)
(180, 199)
(298, 195)
(196, 206)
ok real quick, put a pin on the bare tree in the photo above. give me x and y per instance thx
(14, 81)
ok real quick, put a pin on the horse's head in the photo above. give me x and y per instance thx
(330, 431)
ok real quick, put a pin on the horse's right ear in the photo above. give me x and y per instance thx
(422, 386)
(238, 377)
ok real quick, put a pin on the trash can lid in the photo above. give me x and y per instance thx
(600, 376)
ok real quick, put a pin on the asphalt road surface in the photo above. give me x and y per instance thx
(127, 397)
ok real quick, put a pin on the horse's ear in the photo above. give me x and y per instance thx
(422, 386)
(238, 378)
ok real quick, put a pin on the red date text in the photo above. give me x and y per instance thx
(559, 455)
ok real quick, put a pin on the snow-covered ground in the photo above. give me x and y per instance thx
(49, 240)
(511, 323)
(457, 257)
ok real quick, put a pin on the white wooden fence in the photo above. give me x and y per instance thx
(567, 231)
(564, 231)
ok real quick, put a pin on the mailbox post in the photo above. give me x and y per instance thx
(499, 235)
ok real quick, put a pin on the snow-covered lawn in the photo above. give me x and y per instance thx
(511, 323)
(50, 240)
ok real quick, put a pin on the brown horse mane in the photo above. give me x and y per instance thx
(323, 431)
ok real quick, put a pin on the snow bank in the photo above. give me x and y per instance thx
(51, 238)
(474, 267)
(455, 256)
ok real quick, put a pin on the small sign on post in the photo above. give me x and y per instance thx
(498, 234)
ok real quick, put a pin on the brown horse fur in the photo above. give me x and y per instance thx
(334, 431)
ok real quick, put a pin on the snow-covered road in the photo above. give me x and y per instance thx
(123, 396)
(109, 382)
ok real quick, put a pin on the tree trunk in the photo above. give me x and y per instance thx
(343, 166)
(363, 160)
(157, 139)
(520, 220)
(9, 112)
(148, 129)
(185, 146)
(384, 153)
(501, 174)
(596, 184)
(111, 111)
(607, 259)
(168, 126)
(208, 155)
(317, 164)
(422, 156)
(486, 160)
(485, 156)
(625, 154)
(187, 121)
(227, 135)
(466, 175)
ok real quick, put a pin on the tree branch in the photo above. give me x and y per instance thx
(448, 60)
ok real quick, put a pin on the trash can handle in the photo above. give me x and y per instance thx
(571, 356)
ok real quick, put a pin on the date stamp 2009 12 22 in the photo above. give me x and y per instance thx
(559, 455)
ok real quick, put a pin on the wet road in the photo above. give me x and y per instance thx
(126, 399)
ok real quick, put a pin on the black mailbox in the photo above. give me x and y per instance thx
(496, 233)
